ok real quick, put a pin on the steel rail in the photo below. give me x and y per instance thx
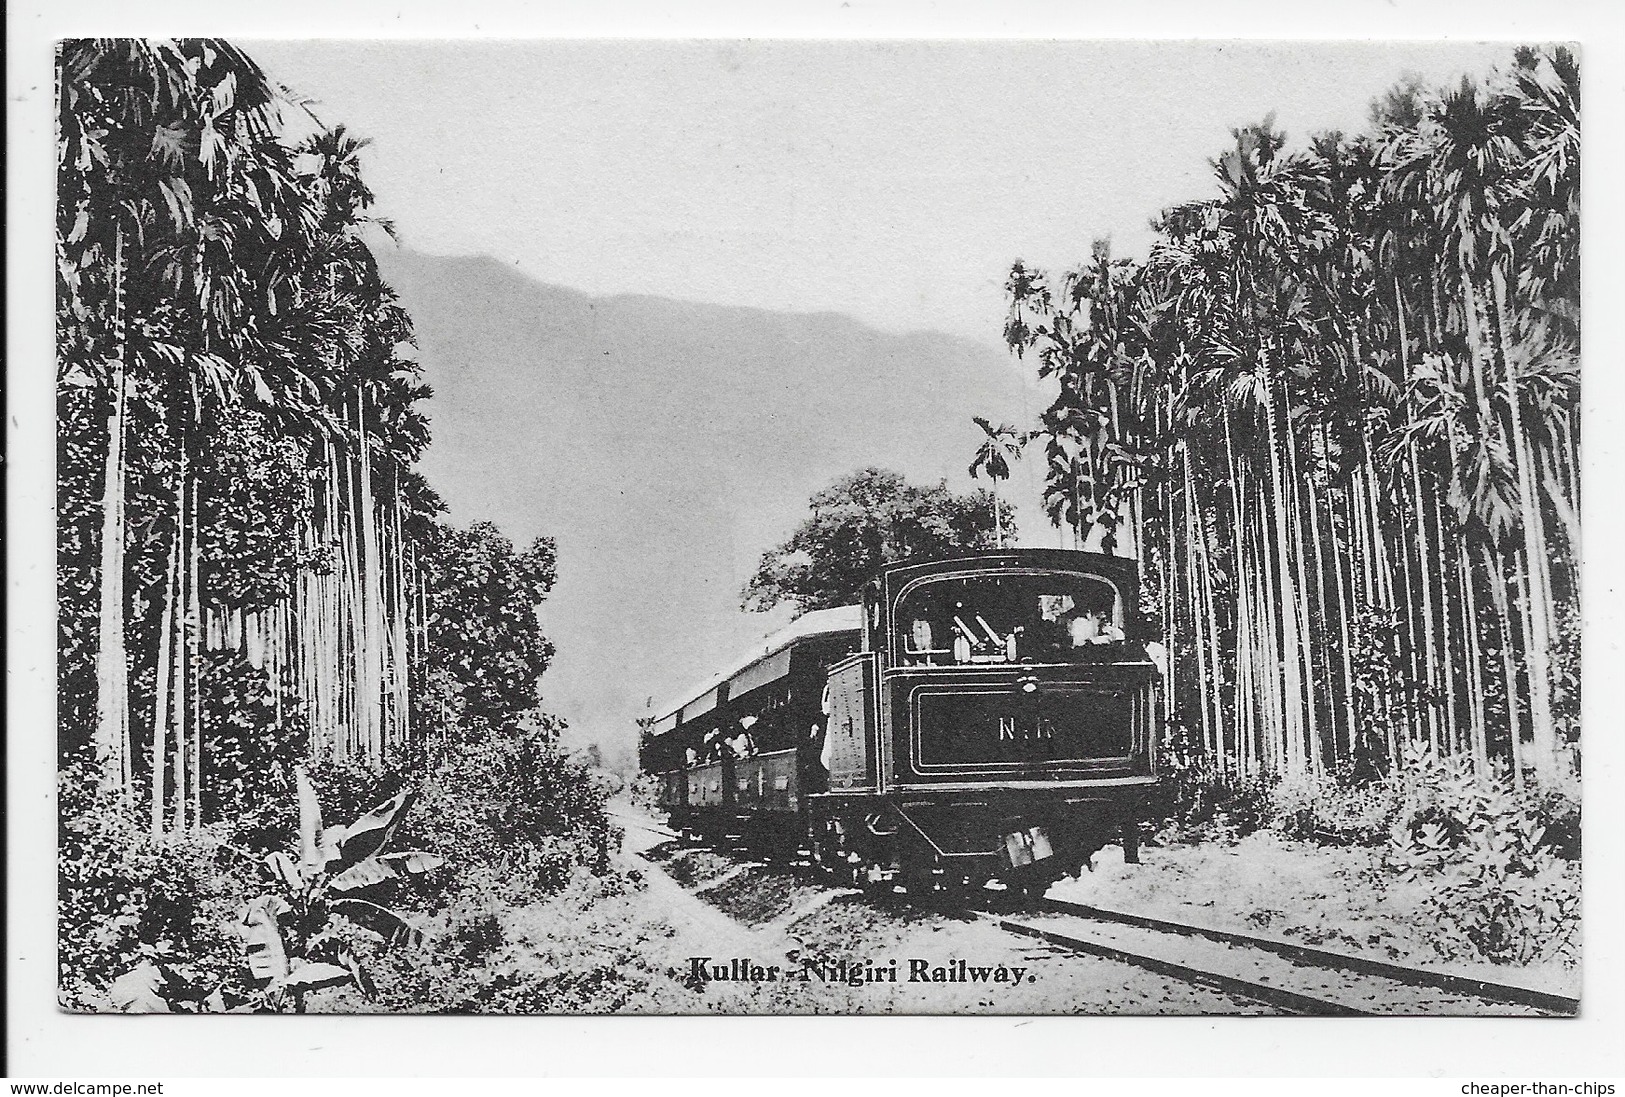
(1281, 998)
(1326, 958)
(642, 825)
(1289, 1000)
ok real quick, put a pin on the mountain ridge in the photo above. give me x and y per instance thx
(664, 445)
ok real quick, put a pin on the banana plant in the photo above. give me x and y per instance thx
(290, 943)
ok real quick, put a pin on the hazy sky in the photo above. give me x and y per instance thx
(893, 182)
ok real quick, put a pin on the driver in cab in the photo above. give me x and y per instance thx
(1092, 626)
(1066, 627)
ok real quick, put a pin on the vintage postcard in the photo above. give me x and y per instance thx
(818, 527)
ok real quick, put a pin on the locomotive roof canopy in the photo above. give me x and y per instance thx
(1122, 568)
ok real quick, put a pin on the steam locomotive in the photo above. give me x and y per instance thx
(988, 718)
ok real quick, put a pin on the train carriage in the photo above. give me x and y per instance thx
(985, 718)
(739, 756)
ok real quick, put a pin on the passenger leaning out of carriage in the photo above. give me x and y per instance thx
(717, 747)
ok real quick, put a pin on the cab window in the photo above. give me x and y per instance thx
(1008, 618)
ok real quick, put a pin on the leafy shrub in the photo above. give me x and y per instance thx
(1207, 800)
(1492, 861)
(269, 818)
(349, 789)
(488, 962)
(477, 935)
(1388, 701)
(600, 987)
(482, 625)
(1558, 809)
(613, 783)
(125, 896)
(518, 811)
(518, 818)
(644, 793)
(250, 747)
(1338, 809)
(1565, 669)
(1333, 809)
(253, 500)
(1493, 880)
(291, 944)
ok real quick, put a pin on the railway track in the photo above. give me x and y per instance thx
(1284, 975)
(643, 824)
(1293, 978)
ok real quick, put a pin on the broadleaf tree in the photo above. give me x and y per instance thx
(862, 521)
(485, 648)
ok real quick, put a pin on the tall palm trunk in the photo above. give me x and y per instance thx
(1249, 652)
(194, 658)
(163, 674)
(330, 590)
(1427, 560)
(1344, 613)
(400, 624)
(1286, 600)
(1215, 658)
(1276, 720)
(1477, 344)
(372, 636)
(1442, 660)
(1472, 656)
(112, 742)
(1556, 481)
(179, 676)
(1306, 595)
(1538, 603)
(1496, 578)
(1414, 658)
(1329, 736)
(1201, 605)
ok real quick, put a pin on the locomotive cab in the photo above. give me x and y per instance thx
(990, 718)
(1003, 718)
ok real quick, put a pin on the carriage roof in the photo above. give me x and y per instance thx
(765, 661)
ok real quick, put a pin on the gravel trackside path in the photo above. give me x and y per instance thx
(839, 952)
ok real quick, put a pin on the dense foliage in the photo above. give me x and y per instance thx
(238, 423)
(481, 623)
(254, 582)
(1334, 412)
(125, 896)
(500, 959)
(506, 816)
(865, 520)
(1496, 865)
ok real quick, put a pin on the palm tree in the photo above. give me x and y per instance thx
(206, 283)
(143, 127)
(1471, 170)
(1361, 359)
(1001, 447)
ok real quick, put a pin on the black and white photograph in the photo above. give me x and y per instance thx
(776, 527)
